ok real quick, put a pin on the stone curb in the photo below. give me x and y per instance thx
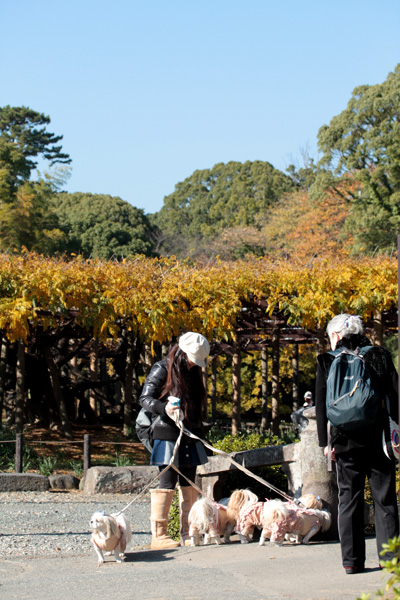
(111, 480)
(98, 480)
(23, 482)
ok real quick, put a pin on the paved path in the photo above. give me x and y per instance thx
(233, 571)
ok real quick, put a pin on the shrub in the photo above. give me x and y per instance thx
(392, 567)
(47, 465)
(77, 467)
(30, 457)
(173, 519)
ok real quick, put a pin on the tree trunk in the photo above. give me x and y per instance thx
(128, 387)
(57, 391)
(147, 359)
(204, 375)
(275, 382)
(214, 389)
(236, 360)
(3, 367)
(378, 328)
(20, 387)
(295, 383)
(264, 389)
(74, 365)
(94, 352)
(321, 341)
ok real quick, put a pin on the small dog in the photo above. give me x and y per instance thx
(278, 519)
(212, 519)
(110, 533)
(306, 501)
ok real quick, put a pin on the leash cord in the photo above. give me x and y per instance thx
(184, 430)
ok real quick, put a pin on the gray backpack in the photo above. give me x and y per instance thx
(352, 403)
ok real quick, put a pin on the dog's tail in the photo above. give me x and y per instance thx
(275, 510)
(325, 519)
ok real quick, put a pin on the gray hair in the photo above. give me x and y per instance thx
(345, 325)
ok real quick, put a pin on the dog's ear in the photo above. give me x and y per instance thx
(111, 526)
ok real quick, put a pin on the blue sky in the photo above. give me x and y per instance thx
(146, 92)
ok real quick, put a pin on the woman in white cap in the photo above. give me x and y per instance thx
(177, 376)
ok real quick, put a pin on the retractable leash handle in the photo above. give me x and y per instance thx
(174, 401)
(175, 415)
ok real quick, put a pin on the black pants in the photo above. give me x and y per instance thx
(169, 478)
(352, 468)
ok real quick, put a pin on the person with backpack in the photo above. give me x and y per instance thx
(355, 441)
(178, 376)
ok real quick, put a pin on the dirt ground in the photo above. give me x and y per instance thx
(108, 445)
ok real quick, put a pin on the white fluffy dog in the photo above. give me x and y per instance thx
(279, 519)
(110, 533)
(212, 519)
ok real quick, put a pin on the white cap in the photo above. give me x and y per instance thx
(196, 347)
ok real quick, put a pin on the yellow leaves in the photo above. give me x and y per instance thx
(157, 299)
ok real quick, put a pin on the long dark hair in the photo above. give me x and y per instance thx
(186, 384)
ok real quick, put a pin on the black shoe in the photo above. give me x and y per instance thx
(353, 570)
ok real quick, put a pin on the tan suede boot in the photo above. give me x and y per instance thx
(187, 497)
(160, 505)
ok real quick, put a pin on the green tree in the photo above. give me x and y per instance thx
(24, 137)
(26, 217)
(227, 196)
(102, 226)
(361, 146)
(29, 222)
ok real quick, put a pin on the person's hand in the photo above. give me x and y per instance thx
(172, 408)
(326, 450)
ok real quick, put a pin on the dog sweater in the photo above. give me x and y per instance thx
(108, 544)
(299, 521)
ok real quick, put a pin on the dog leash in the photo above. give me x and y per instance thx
(184, 430)
(169, 465)
(237, 464)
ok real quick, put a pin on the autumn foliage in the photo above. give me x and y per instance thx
(155, 299)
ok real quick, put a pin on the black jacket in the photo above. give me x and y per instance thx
(152, 400)
(384, 376)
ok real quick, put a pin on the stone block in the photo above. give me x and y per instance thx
(112, 480)
(63, 482)
(23, 482)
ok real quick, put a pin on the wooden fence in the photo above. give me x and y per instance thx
(86, 444)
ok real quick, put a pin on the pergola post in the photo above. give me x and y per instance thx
(214, 388)
(236, 422)
(264, 389)
(275, 381)
(295, 376)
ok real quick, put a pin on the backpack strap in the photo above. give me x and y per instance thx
(363, 351)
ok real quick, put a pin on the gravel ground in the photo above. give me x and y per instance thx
(49, 524)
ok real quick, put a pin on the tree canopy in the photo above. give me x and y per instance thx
(102, 226)
(23, 137)
(362, 145)
(26, 216)
(227, 196)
